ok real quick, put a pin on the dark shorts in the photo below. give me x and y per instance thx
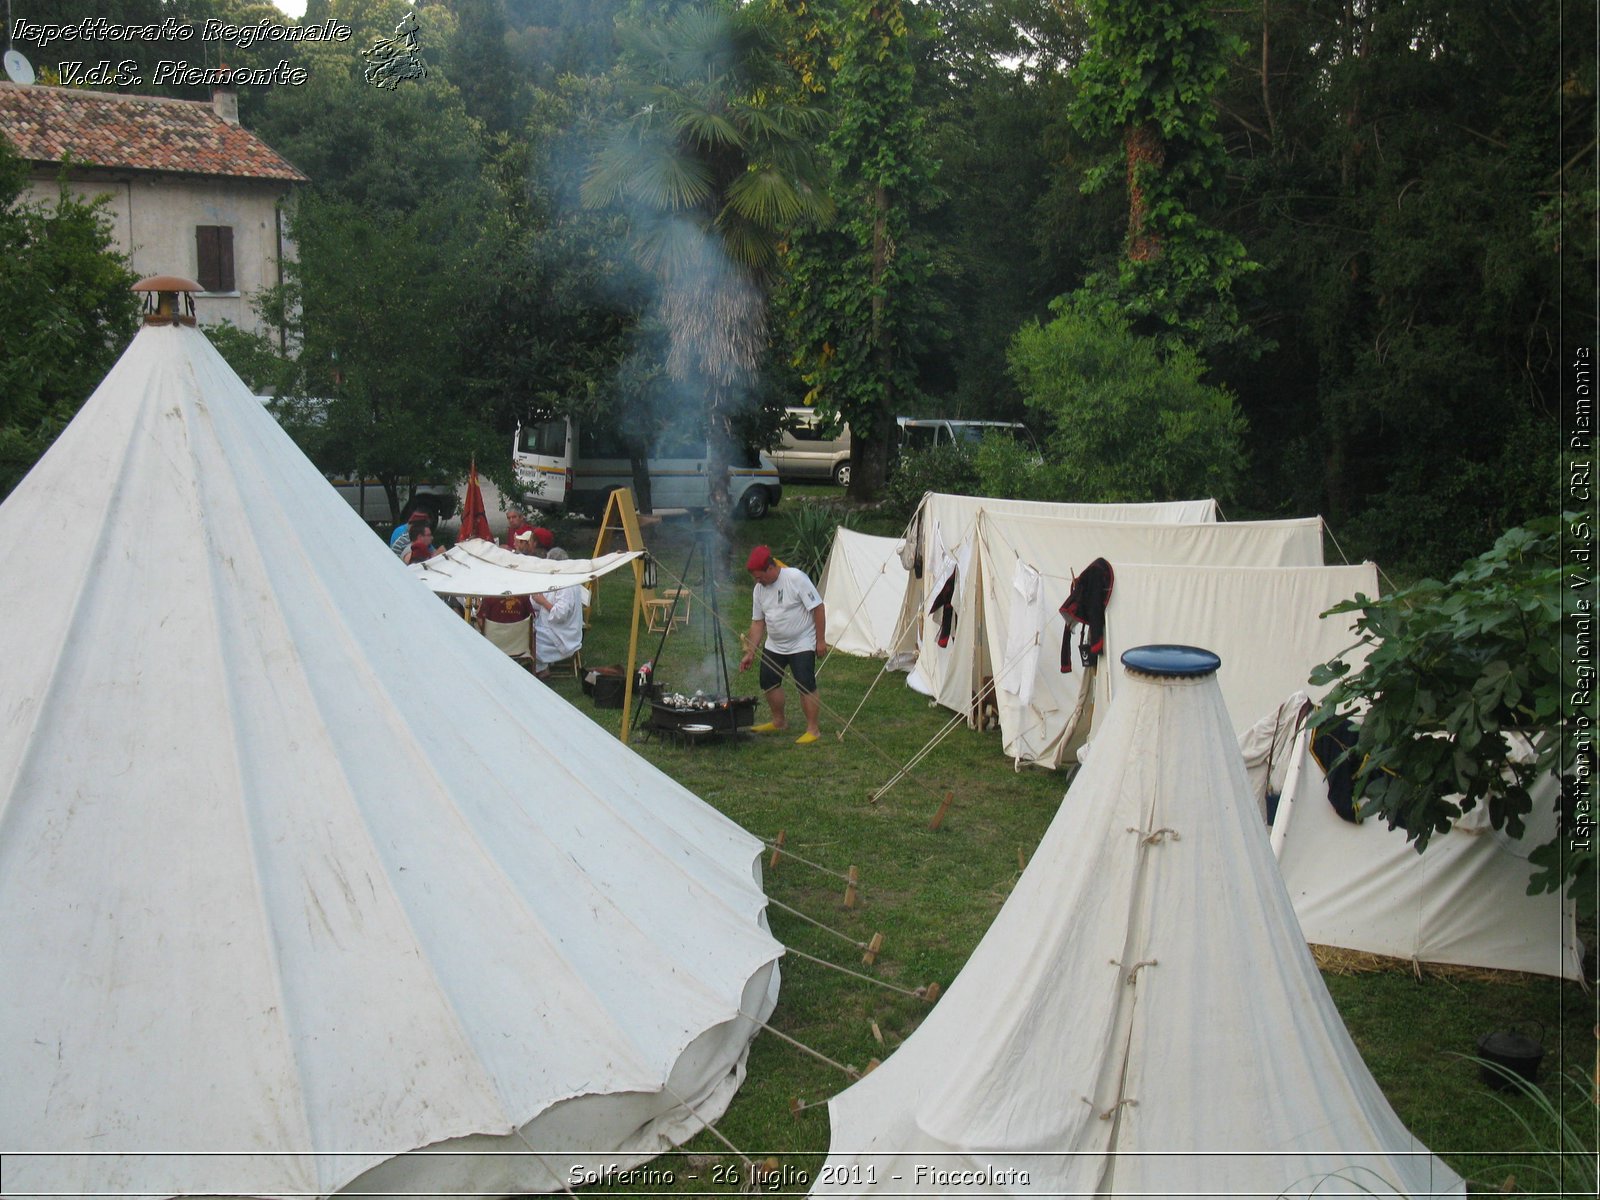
(802, 665)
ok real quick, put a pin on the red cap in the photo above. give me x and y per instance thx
(760, 559)
(544, 537)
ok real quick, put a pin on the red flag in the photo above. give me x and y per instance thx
(474, 521)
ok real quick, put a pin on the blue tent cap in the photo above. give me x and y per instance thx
(1174, 662)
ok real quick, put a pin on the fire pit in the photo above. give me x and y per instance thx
(699, 715)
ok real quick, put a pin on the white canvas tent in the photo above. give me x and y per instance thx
(1463, 901)
(863, 587)
(1024, 570)
(1143, 1018)
(943, 535)
(1265, 623)
(305, 887)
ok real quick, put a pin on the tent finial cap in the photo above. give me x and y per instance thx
(161, 305)
(1171, 662)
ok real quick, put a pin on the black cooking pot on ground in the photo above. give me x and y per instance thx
(1514, 1052)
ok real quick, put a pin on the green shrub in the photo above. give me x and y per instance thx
(1129, 419)
(945, 468)
(1452, 673)
(808, 535)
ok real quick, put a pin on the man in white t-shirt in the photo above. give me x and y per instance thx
(788, 622)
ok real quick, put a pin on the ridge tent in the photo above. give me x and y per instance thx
(304, 887)
(1026, 568)
(1143, 1018)
(1265, 623)
(942, 537)
(863, 587)
(1464, 900)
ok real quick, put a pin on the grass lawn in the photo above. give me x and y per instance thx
(933, 894)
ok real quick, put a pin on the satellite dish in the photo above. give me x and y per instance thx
(18, 68)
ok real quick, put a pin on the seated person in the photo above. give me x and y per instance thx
(557, 627)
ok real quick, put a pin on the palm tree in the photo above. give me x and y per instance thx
(712, 167)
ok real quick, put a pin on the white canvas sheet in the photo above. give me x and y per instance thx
(304, 886)
(479, 568)
(1463, 900)
(863, 586)
(951, 522)
(1036, 699)
(1143, 1018)
(1264, 623)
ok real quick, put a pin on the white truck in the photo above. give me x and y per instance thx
(563, 463)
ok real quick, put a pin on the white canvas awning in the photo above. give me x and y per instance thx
(1143, 1018)
(479, 568)
(304, 886)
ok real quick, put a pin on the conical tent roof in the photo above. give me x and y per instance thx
(1143, 1018)
(298, 874)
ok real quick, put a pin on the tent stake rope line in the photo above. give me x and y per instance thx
(799, 1045)
(749, 1163)
(781, 847)
(930, 993)
(843, 937)
(900, 631)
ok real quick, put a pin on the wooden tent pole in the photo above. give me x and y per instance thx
(621, 502)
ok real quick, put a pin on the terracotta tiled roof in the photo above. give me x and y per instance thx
(139, 133)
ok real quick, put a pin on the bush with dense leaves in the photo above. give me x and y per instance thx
(1129, 419)
(944, 468)
(1455, 674)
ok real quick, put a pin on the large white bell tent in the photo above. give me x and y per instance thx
(1143, 1018)
(304, 887)
(863, 587)
(1363, 886)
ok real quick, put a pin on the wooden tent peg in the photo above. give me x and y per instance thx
(1022, 860)
(852, 877)
(877, 1034)
(777, 851)
(938, 817)
(795, 1107)
(931, 993)
(872, 1065)
(871, 956)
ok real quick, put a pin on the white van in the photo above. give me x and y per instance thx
(566, 464)
(921, 433)
(803, 453)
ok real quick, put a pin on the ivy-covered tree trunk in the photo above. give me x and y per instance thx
(1146, 156)
(856, 291)
(1149, 81)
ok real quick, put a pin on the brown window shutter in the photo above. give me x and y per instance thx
(214, 254)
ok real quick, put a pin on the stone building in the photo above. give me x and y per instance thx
(191, 191)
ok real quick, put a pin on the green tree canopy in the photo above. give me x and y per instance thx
(1127, 417)
(855, 298)
(66, 313)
